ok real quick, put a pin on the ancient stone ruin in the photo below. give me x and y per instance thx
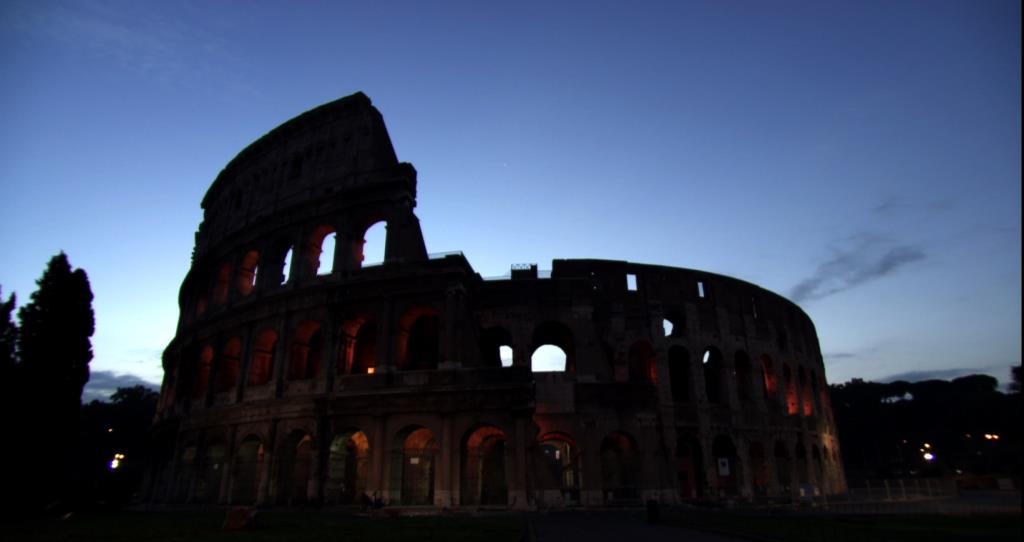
(300, 375)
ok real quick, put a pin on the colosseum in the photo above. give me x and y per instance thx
(300, 374)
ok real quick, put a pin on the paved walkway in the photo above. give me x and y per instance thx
(612, 526)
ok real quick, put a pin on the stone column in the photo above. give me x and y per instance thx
(446, 483)
(227, 477)
(266, 489)
(517, 485)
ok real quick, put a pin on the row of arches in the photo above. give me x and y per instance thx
(418, 347)
(789, 470)
(318, 254)
(805, 391)
(299, 472)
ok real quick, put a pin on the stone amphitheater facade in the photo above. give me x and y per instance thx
(299, 375)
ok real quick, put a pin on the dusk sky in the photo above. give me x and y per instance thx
(861, 158)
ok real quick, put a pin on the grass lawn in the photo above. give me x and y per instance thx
(283, 526)
(815, 528)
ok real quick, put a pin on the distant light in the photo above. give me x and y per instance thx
(926, 445)
(928, 456)
(110, 430)
(371, 370)
(116, 462)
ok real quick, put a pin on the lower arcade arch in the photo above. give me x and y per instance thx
(211, 473)
(758, 469)
(726, 466)
(620, 466)
(689, 466)
(559, 472)
(247, 471)
(484, 477)
(413, 466)
(347, 468)
(783, 468)
(295, 468)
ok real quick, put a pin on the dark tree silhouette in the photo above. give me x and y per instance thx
(54, 351)
(8, 343)
(883, 427)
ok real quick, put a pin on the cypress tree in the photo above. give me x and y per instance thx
(8, 343)
(54, 351)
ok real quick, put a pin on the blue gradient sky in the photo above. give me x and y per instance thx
(862, 158)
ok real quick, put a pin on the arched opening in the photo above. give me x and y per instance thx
(783, 468)
(420, 340)
(792, 401)
(562, 357)
(496, 347)
(306, 352)
(559, 470)
(363, 348)
(247, 272)
(620, 465)
(548, 358)
(296, 465)
(371, 249)
(248, 469)
(321, 250)
(770, 382)
(186, 473)
(347, 468)
(230, 364)
(819, 471)
(806, 396)
(208, 488)
(286, 266)
(679, 373)
(726, 466)
(689, 466)
(642, 362)
(803, 475)
(674, 324)
(743, 376)
(201, 304)
(758, 469)
(413, 458)
(815, 404)
(483, 467)
(220, 288)
(713, 381)
(263, 349)
(204, 368)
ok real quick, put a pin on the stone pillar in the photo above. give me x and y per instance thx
(280, 356)
(243, 364)
(227, 477)
(387, 339)
(375, 479)
(446, 481)
(452, 340)
(266, 490)
(746, 471)
(517, 486)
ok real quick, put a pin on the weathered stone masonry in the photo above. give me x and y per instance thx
(323, 379)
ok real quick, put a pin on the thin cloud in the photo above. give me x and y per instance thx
(103, 384)
(940, 374)
(865, 258)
